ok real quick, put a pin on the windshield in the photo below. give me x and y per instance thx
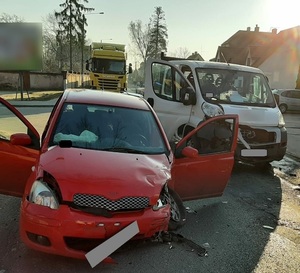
(108, 128)
(106, 66)
(235, 87)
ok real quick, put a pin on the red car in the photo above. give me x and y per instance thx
(103, 162)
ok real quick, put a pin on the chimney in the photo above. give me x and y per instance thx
(256, 28)
(274, 30)
(248, 28)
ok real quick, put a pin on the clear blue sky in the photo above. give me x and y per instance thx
(196, 25)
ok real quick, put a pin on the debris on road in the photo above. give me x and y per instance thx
(268, 227)
(170, 237)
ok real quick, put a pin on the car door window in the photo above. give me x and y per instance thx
(167, 82)
(10, 124)
(214, 137)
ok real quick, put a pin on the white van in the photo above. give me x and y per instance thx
(179, 90)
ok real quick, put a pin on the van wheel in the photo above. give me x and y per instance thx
(177, 210)
(283, 108)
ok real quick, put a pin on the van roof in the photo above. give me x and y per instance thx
(216, 65)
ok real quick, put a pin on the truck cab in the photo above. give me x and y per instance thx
(107, 66)
(185, 92)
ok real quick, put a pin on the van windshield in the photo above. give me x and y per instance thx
(235, 87)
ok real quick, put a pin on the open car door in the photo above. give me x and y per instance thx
(204, 170)
(19, 149)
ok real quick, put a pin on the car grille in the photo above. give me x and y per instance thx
(96, 201)
(257, 136)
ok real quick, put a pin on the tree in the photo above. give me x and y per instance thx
(158, 33)
(7, 18)
(55, 57)
(71, 21)
(181, 52)
(140, 38)
(149, 40)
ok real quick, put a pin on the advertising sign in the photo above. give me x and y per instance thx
(20, 46)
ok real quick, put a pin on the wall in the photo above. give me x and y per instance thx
(43, 81)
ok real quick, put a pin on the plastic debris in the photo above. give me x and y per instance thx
(189, 210)
(268, 227)
(206, 245)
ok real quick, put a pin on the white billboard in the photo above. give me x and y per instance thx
(20, 46)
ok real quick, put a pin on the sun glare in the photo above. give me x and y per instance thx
(282, 14)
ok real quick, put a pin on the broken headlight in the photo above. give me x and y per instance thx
(41, 194)
(163, 199)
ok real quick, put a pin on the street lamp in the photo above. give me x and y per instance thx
(82, 42)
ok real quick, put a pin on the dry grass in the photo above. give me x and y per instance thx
(32, 95)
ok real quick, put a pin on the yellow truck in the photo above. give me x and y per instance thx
(107, 66)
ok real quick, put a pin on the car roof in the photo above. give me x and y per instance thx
(90, 96)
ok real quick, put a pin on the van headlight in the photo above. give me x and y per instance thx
(41, 194)
(211, 110)
(281, 122)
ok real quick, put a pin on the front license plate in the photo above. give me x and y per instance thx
(254, 152)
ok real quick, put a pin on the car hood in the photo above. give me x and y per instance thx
(250, 115)
(110, 174)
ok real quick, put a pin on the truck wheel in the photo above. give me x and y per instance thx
(177, 209)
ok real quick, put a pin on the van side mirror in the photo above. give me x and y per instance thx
(188, 96)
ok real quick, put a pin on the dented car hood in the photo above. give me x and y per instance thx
(110, 174)
(249, 115)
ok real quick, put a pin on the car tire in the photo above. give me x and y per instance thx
(283, 108)
(177, 211)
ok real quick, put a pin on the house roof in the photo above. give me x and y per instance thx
(258, 45)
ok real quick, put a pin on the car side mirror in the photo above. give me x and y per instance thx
(188, 96)
(20, 139)
(189, 152)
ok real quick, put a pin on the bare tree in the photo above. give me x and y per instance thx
(52, 52)
(181, 52)
(7, 18)
(140, 38)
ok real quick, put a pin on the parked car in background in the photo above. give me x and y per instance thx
(287, 99)
(102, 163)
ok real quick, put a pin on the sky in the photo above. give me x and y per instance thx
(193, 25)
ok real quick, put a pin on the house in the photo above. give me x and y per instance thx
(276, 54)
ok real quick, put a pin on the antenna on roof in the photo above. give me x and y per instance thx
(224, 58)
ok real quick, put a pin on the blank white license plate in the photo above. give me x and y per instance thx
(254, 152)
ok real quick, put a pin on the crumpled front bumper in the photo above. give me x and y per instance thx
(72, 233)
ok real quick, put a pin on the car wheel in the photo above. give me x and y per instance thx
(177, 209)
(283, 108)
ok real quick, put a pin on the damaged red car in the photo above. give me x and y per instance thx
(103, 162)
